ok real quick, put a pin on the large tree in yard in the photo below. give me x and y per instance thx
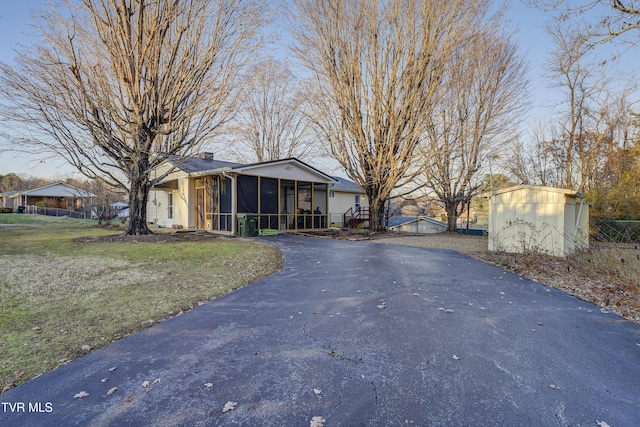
(377, 66)
(117, 86)
(484, 94)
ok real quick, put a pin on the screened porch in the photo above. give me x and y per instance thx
(279, 204)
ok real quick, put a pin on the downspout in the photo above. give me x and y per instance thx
(575, 230)
(234, 198)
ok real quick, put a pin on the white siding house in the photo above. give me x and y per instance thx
(208, 194)
(345, 198)
(541, 219)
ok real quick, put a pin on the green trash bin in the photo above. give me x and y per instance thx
(242, 224)
(251, 222)
(247, 224)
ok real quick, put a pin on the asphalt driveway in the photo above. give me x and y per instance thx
(359, 334)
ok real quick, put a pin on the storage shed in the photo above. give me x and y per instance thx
(420, 225)
(539, 219)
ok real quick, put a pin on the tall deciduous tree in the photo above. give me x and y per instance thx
(116, 86)
(591, 110)
(601, 21)
(272, 121)
(377, 66)
(484, 96)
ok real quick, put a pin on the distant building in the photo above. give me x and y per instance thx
(57, 195)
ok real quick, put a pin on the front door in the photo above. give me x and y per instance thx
(200, 224)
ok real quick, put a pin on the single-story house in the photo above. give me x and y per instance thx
(209, 194)
(57, 195)
(549, 220)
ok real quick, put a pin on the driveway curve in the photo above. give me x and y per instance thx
(358, 334)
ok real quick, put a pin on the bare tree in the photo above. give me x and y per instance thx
(485, 94)
(537, 159)
(272, 121)
(601, 21)
(116, 86)
(377, 67)
(590, 111)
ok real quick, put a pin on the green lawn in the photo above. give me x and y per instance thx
(59, 297)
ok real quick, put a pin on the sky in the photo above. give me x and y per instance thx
(15, 21)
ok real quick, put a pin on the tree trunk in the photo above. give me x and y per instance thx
(452, 217)
(138, 208)
(376, 214)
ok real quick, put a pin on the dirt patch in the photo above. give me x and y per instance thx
(575, 275)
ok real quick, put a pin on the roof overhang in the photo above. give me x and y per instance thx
(566, 192)
(171, 184)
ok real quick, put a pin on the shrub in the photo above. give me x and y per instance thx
(5, 209)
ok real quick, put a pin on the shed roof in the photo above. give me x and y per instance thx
(534, 188)
(418, 219)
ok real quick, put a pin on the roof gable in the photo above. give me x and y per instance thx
(58, 189)
(290, 168)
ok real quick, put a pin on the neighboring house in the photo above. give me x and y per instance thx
(208, 194)
(436, 209)
(421, 225)
(539, 219)
(6, 200)
(118, 210)
(57, 195)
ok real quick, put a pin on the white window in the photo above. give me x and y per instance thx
(170, 206)
(332, 194)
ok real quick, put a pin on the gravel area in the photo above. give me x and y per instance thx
(470, 245)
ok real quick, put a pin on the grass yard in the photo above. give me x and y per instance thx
(60, 299)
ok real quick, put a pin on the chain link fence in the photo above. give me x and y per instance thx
(615, 231)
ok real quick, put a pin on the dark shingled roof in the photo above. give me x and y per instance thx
(197, 164)
(344, 184)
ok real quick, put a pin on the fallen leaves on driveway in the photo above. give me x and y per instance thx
(317, 422)
(229, 406)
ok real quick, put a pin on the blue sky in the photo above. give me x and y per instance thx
(15, 21)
